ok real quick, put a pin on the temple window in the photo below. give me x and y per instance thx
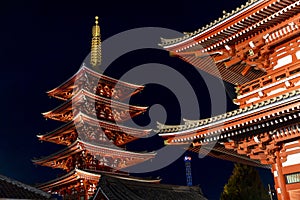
(293, 178)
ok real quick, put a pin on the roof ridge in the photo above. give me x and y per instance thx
(226, 15)
(202, 122)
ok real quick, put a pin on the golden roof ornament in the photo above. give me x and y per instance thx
(96, 44)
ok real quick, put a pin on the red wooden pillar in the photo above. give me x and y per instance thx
(86, 190)
(282, 193)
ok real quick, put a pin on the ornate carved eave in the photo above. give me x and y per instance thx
(97, 131)
(94, 106)
(95, 83)
(111, 156)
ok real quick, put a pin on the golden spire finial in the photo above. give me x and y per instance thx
(96, 44)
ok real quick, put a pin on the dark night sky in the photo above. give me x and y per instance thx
(44, 44)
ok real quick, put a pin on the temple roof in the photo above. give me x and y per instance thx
(112, 187)
(112, 151)
(67, 89)
(238, 47)
(12, 189)
(273, 120)
(62, 134)
(225, 17)
(85, 101)
(253, 16)
(238, 114)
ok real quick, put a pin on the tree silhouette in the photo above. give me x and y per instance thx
(244, 184)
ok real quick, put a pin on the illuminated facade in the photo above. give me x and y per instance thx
(257, 48)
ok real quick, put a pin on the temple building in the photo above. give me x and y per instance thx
(257, 48)
(92, 111)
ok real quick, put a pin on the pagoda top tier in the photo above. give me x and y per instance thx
(95, 83)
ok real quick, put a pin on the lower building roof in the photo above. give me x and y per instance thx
(112, 187)
(12, 189)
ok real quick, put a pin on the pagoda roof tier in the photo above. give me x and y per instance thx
(95, 106)
(240, 44)
(96, 83)
(95, 132)
(109, 156)
(70, 179)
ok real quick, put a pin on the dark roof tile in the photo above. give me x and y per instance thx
(117, 188)
(13, 189)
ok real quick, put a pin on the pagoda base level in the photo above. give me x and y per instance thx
(287, 177)
(77, 196)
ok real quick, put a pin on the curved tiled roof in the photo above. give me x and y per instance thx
(225, 16)
(12, 189)
(72, 176)
(83, 72)
(83, 119)
(192, 124)
(111, 187)
(254, 16)
(82, 97)
(79, 146)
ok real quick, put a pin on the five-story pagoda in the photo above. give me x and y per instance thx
(94, 140)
